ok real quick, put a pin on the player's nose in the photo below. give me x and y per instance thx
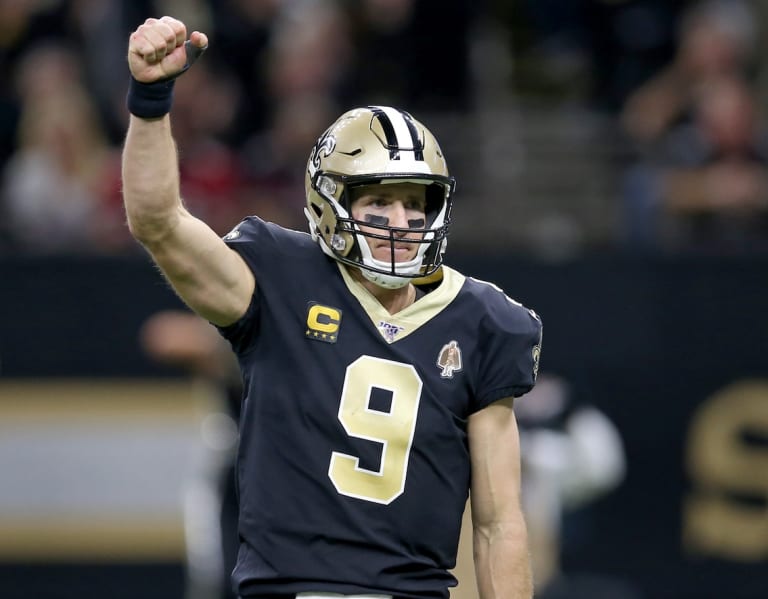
(398, 215)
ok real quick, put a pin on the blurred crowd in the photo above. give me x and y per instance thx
(277, 73)
(681, 80)
(699, 180)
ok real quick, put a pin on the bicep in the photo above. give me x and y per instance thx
(211, 278)
(494, 446)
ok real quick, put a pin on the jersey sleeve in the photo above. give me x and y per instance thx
(267, 249)
(512, 345)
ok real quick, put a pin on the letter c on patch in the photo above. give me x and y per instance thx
(323, 319)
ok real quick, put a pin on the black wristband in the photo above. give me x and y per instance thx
(150, 100)
(153, 100)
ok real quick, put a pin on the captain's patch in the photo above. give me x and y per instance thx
(323, 323)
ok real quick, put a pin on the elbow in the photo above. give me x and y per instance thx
(147, 231)
(152, 209)
(149, 225)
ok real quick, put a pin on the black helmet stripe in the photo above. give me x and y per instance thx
(418, 147)
(389, 132)
(400, 131)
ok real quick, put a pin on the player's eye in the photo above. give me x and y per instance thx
(415, 204)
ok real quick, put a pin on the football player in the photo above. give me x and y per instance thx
(378, 383)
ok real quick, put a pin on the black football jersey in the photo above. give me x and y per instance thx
(353, 468)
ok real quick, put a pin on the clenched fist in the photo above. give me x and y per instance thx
(156, 49)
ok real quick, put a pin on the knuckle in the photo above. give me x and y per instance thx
(171, 22)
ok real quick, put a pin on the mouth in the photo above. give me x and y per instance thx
(402, 251)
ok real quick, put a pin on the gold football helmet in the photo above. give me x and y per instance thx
(377, 145)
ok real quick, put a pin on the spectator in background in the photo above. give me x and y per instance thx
(56, 184)
(716, 38)
(572, 455)
(23, 24)
(706, 187)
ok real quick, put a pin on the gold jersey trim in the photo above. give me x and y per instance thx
(411, 318)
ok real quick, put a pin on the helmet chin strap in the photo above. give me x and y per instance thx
(385, 281)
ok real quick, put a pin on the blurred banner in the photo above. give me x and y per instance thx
(95, 470)
(94, 450)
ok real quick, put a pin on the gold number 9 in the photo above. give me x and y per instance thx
(394, 429)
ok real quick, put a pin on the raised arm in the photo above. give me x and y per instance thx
(502, 559)
(212, 279)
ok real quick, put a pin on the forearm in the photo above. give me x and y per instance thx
(150, 178)
(502, 561)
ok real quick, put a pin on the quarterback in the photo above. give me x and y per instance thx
(378, 382)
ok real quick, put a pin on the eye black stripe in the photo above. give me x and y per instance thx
(389, 132)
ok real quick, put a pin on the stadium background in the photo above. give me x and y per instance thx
(97, 442)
